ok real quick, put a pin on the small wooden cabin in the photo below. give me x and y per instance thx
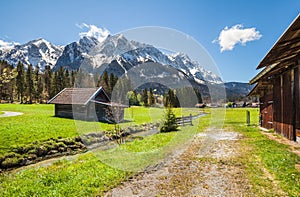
(278, 85)
(87, 104)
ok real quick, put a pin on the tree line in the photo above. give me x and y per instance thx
(31, 85)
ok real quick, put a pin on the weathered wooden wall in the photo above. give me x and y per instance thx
(297, 102)
(63, 111)
(286, 107)
(266, 111)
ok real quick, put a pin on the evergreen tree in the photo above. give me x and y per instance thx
(169, 123)
(73, 76)
(145, 97)
(39, 90)
(67, 79)
(29, 83)
(48, 82)
(151, 99)
(170, 98)
(36, 94)
(20, 81)
(61, 82)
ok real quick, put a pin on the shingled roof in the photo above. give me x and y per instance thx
(80, 96)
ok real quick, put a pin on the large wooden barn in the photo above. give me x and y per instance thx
(86, 104)
(278, 85)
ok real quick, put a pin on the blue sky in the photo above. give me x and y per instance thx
(57, 21)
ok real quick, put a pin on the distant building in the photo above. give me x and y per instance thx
(278, 85)
(87, 104)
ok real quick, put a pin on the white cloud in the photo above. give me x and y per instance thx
(229, 37)
(93, 31)
(7, 44)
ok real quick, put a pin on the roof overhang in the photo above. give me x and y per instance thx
(263, 73)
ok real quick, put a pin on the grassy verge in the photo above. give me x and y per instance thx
(265, 161)
(1, 112)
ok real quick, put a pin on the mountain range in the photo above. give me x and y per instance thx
(115, 54)
(114, 49)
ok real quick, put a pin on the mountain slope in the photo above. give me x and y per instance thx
(237, 90)
(36, 52)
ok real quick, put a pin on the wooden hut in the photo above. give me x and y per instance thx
(278, 85)
(87, 104)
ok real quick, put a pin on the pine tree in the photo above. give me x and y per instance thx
(169, 123)
(20, 81)
(170, 98)
(39, 90)
(29, 83)
(36, 94)
(48, 81)
(151, 99)
(67, 79)
(145, 97)
(73, 76)
(61, 82)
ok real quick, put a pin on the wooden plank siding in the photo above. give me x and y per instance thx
(266, 108)
(297, 102)
(287, 106)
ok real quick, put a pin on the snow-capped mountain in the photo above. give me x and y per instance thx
(178, 61)
(36, 52)
(115, 54)
(90, 50)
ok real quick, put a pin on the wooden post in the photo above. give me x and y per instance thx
(248, 117)
(191, 118)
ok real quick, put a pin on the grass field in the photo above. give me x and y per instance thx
(38, 123)
(1, 112)
(93, 173)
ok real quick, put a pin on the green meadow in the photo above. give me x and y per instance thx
(95, 172)
(39, 124)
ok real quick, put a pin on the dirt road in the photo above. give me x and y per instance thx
(208, 167)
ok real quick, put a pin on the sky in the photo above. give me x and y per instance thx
(236, 33)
